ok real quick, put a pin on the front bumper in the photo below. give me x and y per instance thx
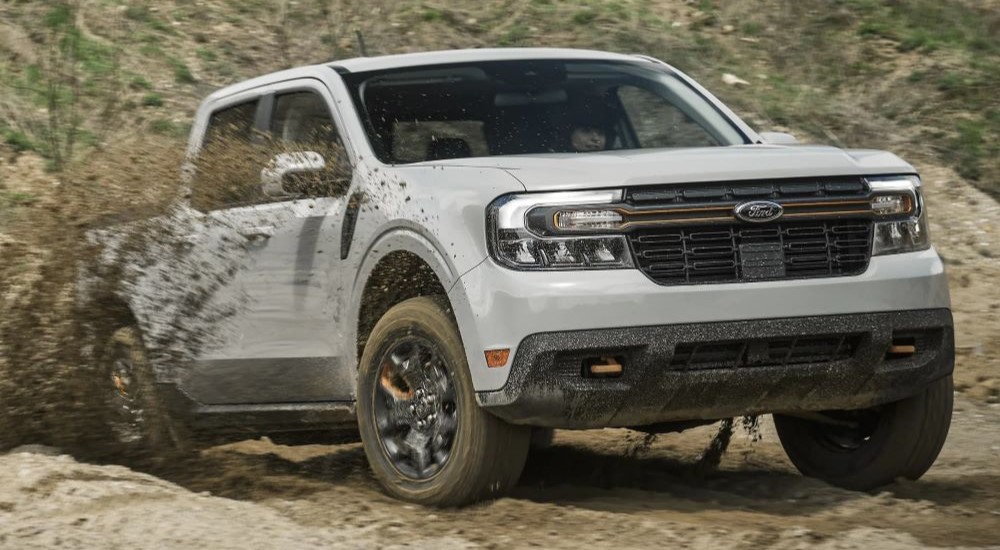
(499, 308)
(546, 386)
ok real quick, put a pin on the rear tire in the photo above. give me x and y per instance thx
(137, 422)
(900, 439)
(542, 438)
(427, 439)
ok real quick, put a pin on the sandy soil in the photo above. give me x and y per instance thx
(596, 487)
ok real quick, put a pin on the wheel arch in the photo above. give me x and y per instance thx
(401, 264)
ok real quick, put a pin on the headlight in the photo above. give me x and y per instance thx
(529, 232)
(898, 198)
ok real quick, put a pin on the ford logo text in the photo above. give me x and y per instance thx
(758, 211)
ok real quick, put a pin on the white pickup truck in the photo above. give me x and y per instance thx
(529, 239)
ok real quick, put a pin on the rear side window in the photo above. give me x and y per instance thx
(232, 122)
(230, 160)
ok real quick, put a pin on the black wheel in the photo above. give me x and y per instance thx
(138, 423)
(868, 448)
(427, 439)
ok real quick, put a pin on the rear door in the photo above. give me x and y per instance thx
(281, 345)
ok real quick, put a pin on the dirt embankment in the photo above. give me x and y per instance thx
(965, 229)
(589, 489)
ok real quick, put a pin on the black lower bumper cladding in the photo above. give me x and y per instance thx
(725, 369)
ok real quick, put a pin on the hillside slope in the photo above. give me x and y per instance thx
(918, 77)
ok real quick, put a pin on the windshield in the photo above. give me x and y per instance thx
(532, 107)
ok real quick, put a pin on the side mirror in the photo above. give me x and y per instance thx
(778, 138)
(284, 167)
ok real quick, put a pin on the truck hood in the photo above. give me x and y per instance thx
(552, 172)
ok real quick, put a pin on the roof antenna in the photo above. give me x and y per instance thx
(361, 43)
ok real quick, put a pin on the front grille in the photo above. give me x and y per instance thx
(734, 253)
(689, 233)
(771, 352)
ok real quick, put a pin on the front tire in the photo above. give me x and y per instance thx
(869, 448)
(426, 438)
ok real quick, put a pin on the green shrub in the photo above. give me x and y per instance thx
(182, 74)
(17, 139)
(514, 36)
(968, 147)
(431, 14)
(584, 17)
(206, 54)
(152, 99)
(139, 82)
(167, 127)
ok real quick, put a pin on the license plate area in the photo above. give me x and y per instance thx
(762, 261)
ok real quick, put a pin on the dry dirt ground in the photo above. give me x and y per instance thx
(596, 488)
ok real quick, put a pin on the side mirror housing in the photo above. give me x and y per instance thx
(778, 138)
(284, 166)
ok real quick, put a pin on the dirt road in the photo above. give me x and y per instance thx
(592, 488)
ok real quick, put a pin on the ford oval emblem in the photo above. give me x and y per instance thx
(758, 211)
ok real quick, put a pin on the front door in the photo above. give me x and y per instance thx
(280, 344)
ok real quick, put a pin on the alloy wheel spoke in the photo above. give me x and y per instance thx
(394, 449)
(446, 423)
(397, 413)
(419, 450)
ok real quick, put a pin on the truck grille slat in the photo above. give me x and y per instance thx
(684, 255)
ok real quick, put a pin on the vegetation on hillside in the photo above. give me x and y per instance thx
(917, 76)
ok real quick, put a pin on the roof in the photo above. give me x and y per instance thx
(443, 57)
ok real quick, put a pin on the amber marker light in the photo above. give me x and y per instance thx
(497, 357)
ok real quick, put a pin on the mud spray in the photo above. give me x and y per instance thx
(44, 377)
(108, 246)
(711, 457)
